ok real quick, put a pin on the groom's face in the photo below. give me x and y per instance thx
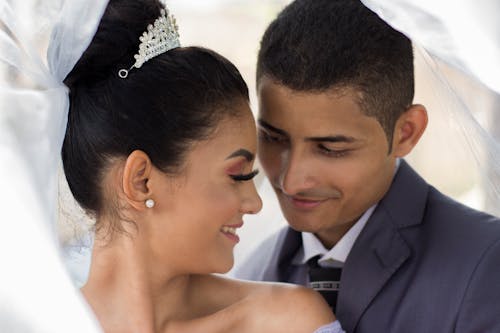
(326, 160)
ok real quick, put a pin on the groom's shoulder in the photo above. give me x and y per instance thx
(271, 244)
(411, 194)
(255, 264)
(456, 226)
(448, 211)
(429, 219)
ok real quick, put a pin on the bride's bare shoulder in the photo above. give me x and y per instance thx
(273, 307)
(283, 307)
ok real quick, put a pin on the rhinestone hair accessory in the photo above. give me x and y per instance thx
(161, 36)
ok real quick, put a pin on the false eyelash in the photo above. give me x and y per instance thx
(248, 176)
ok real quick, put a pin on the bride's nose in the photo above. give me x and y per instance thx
(251, 202)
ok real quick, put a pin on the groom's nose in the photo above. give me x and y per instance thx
(296, 174)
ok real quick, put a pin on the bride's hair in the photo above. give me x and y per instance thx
(162, 108)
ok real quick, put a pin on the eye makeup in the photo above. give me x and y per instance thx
(245, 177)
(235, 171)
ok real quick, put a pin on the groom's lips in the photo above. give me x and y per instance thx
(303, 203)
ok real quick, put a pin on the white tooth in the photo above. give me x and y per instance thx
(229, 230)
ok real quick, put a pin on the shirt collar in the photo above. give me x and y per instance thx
(337, 255)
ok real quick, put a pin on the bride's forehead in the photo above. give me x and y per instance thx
(238, 126)
(229, 137)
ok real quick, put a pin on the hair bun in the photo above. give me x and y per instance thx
(115, 42)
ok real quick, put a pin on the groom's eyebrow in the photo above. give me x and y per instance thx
(271, 128)
(333, 139)
(242, 152)
(327, 138)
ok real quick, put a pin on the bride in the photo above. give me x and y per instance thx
(159, 148)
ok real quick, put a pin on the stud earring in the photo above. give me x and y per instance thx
(150, 203)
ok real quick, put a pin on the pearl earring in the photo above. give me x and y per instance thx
(150, 203)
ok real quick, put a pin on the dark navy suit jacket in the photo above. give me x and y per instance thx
(423, 263)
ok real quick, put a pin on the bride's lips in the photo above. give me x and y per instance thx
(230, 231)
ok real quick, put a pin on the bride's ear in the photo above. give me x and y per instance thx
(409, 129)
(136, 174)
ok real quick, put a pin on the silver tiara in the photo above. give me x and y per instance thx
(161, 36)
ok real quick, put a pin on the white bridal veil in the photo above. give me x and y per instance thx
(458, 71)
(36, 294)
(458, 50)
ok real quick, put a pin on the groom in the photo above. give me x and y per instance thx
(335, 87)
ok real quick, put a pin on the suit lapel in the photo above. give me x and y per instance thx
(380, 250)
(375, 257)
(293, 241)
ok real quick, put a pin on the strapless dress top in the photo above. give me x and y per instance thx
(330, 328)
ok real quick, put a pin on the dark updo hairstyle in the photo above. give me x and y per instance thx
(162, 108)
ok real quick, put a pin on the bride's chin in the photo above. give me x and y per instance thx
(218, 262)
(224, 265)
(224, 268)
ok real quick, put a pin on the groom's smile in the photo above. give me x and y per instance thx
(305, 201)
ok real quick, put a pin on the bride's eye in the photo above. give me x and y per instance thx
(245, 177)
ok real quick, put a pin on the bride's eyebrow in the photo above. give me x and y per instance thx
(242, 152)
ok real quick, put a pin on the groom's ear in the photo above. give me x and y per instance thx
(135, 179)
(408, 130)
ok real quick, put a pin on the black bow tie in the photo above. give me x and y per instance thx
(324, 280)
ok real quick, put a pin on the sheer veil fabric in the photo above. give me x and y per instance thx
(36, 293)
(457, 48)
(458, 79)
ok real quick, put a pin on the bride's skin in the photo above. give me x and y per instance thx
(155, 277)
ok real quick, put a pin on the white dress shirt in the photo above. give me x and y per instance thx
(336, 256)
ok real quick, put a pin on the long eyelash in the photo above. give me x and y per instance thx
(248, 176)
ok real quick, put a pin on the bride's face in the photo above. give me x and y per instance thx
(198, 212)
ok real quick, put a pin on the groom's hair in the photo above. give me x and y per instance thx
(318, 45)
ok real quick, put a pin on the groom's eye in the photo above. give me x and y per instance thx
(267, 137)
(331, 152)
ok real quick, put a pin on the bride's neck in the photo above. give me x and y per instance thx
(126, 295)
